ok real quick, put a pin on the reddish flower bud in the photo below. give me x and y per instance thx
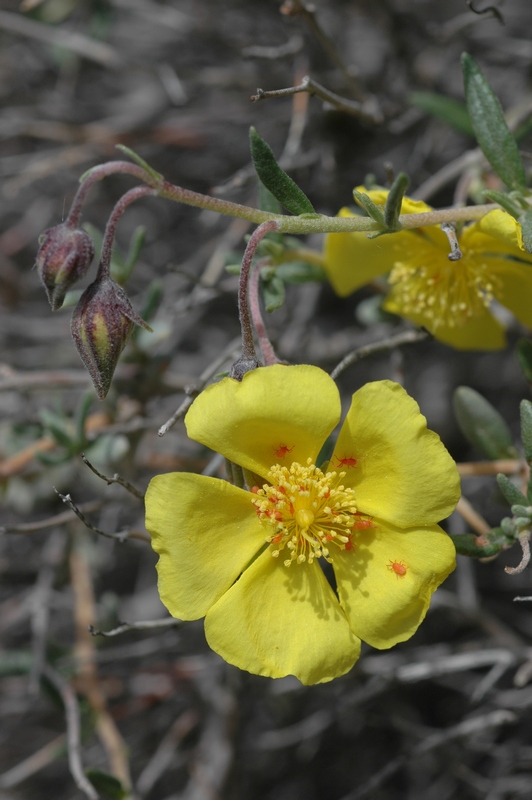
(64, 256)
(101, 325)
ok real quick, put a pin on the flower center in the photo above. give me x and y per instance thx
(446, 292)
(306, 512)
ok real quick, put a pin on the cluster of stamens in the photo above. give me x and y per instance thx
(307, 511)
(444, 292)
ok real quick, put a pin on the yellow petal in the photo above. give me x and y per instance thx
(403, 473)
(205, 532)
(482, 332)
(278, 621)
(276, 415)
(385, 583)
(515, 287)
(351, 259)
(503, 227)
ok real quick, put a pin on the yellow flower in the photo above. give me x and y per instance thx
(451, 299)
(251, 561)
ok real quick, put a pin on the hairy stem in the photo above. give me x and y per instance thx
(109, 235)
(266, 348)
(97, 174)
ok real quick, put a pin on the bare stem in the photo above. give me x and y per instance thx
(268, 353)
(365, 111)
(408, 337)
(248, 359)
(97, 174)
(109, 235)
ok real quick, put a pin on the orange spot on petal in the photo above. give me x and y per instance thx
(399, 567)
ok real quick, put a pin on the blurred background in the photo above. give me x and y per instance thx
(159, 716)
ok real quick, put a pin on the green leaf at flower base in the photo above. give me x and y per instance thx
(275, 179)
(491, 130)
(482, 425)
(485, 546)
(107, 786)
(445, 108)
(525, 408)
(510, 490)
(373, 210)
(524, 355)
(392, 209)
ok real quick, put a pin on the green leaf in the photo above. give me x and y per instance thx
(510, 490)
(273, 293)
(392, 209)
(140, 161)
(482, 425)
(525, 221)
(525, 408)
(524, 355)
(505, 202)
(373, 210)
(275, 179)
(107, 785)
(490, 544)
(445, 108)
(491, 130)
(296, 272)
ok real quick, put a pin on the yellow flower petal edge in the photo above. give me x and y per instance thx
(276, 621)
(400, 470)
(385, 586)
(501, 225)
(276, 414)
(205, 532)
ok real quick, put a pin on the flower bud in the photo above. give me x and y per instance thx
(64, 256)
(101, 325)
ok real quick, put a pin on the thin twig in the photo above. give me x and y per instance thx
(60, 37)
(192, 391)
(365, 111)
(472, 517)
(120, 537)
(165, 754)
(307, 12)
(115, 479)
(87, 676)
(508, 466)
(148, 625)
(37, 761)
(52, 522)
(73, 731)
(407, 337)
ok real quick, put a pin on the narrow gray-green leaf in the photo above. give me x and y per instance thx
(445, 108)
(526, 428)
(505, 202)
(392, 209)
(491, 130)
(510, 490)
(140, 161)
(273, 293)
(275, 179)
(373, 210)
(482, 424)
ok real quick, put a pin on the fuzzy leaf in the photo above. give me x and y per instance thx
(482, 425)
(525, 221)
(445, 108)
(526, 428)
(392, 209)
(275, 179)
(510, 490)
(491, 130)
